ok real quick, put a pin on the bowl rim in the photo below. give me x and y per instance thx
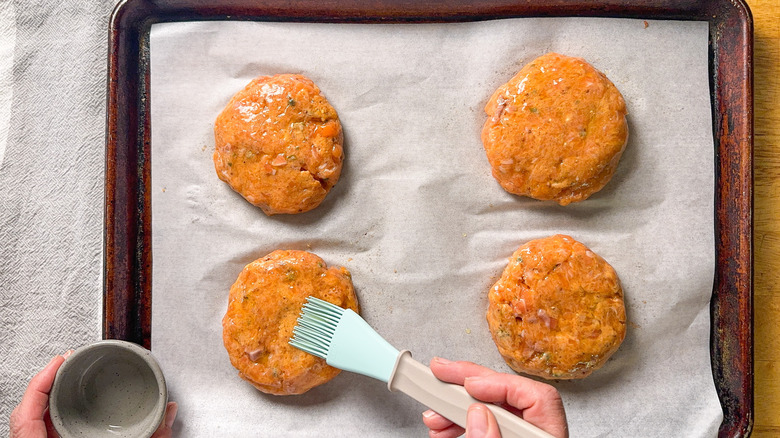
(111, 344)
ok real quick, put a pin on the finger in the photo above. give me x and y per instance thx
(170, 414)
(456, 372)
(518, 391)
(435, 421)
(36, 398)
(539, 402)
(453, 431)
(480, 422)
(166, 427)
(50, 430)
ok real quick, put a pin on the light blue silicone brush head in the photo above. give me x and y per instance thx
(343, 339)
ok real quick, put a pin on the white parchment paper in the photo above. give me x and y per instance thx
(421, 224)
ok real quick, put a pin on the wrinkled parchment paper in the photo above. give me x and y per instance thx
(422, 225)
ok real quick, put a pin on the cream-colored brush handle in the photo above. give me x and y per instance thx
(452, 401)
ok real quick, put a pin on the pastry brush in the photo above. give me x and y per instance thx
(346, 341)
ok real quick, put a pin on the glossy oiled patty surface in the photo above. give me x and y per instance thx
(557, 311)
(264, 304)
(556, 130)
(279, 144)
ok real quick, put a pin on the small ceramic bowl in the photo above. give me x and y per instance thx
(108, 389)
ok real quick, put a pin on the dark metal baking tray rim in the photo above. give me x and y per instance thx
(127, 236)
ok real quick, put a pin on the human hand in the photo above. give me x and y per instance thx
(536, 402)
(30, 419)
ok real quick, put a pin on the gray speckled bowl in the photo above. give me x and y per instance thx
(108, 389)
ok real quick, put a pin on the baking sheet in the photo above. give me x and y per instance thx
(421, 224)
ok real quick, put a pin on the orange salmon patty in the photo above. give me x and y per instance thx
(264, 305)
(279, 144)
(557, 311)
(556, 130)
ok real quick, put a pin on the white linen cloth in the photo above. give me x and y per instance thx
(52, 142)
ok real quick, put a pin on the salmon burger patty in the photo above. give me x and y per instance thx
(279, 144)
(264, 304)
(557, 311)
(556, 130)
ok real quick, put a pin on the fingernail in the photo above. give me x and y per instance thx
(429, 413)
(442, 360)
(67, 354)
(476, 421)
(170, 414)
(472, 379)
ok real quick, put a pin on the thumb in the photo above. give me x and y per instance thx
(36, 398)
(480, 422)
(166, 428)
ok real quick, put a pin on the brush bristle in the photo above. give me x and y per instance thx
(315, 327)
